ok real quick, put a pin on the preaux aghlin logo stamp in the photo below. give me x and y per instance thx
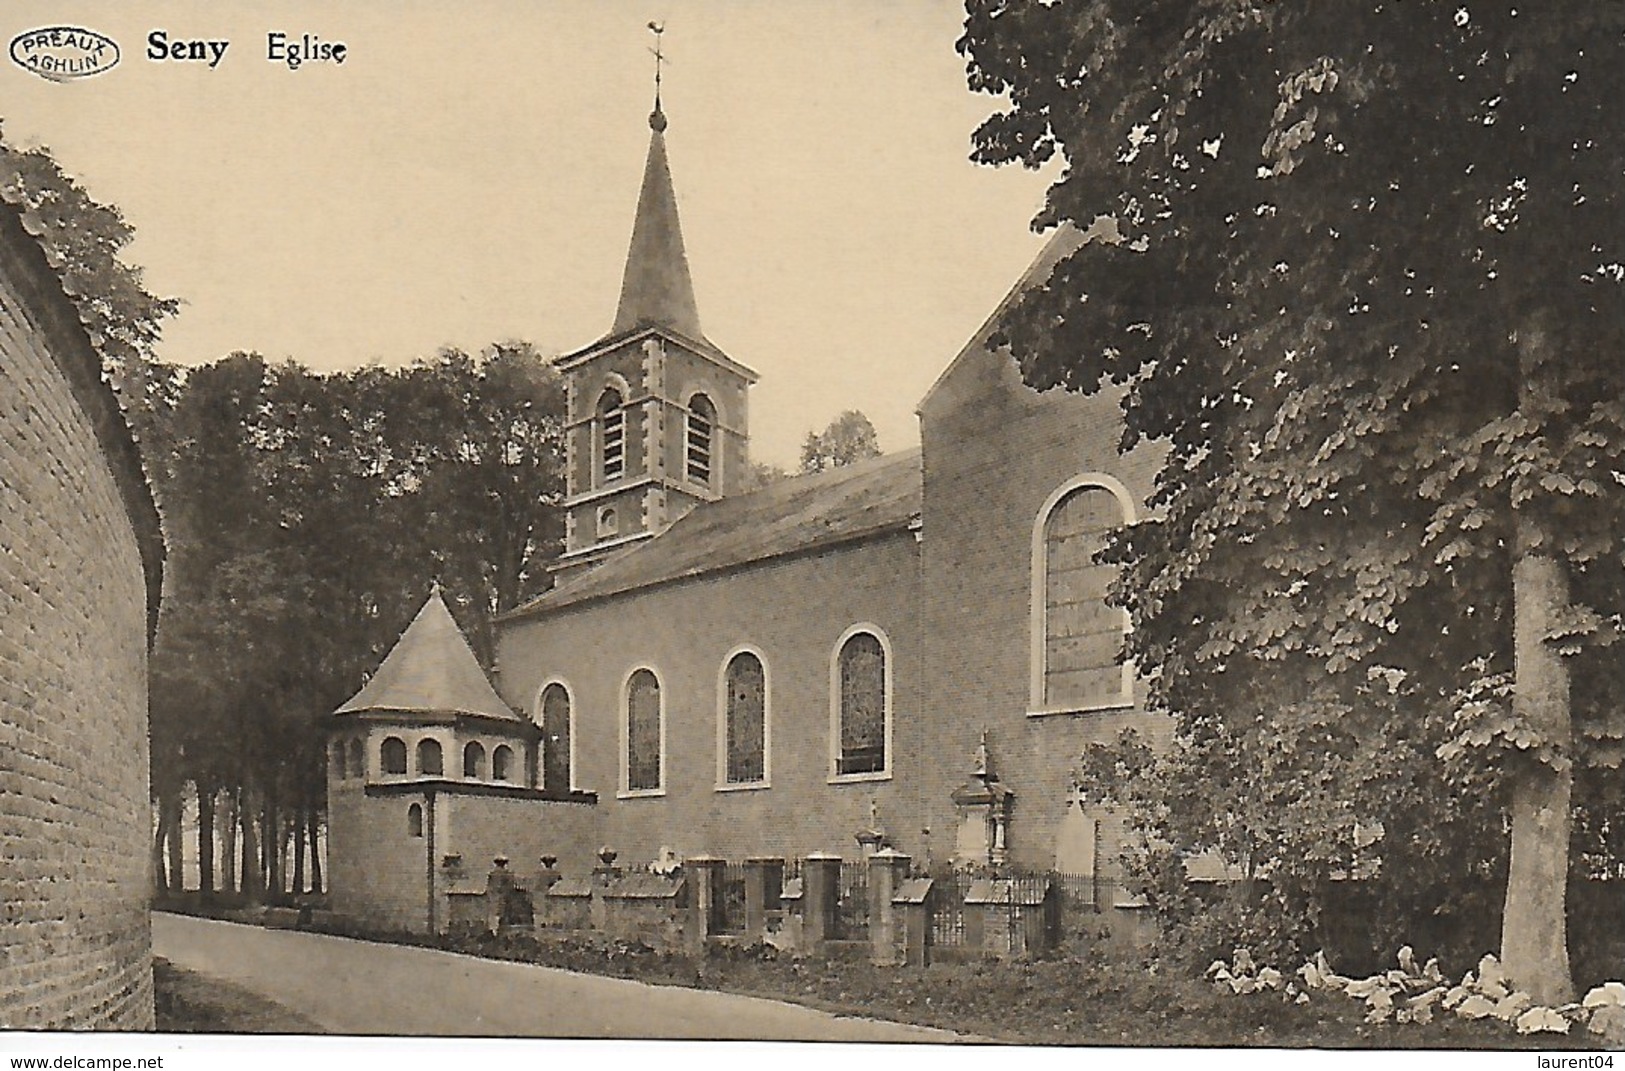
(64, 53)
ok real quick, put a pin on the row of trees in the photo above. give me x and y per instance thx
(305, 516)
(1368, 289)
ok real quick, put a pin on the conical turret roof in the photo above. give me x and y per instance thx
(656, 290)
(431, 670)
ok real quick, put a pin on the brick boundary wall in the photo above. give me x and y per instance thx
(80, 567)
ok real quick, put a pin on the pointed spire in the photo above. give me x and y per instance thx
(657, 289)
(431, 671)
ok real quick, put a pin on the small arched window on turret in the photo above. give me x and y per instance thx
(429, 759)
(414, 820)
(702, 422)
(358, 759)
(474, 760)
(502, 763)
(611, 428)
(392, 755)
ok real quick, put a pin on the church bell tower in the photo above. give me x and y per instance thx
(657, 413)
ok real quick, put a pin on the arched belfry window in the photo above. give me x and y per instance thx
(861, 695)
(611, 428)
(392, 755)
(474, 760)
(744, 720)
(643, 765)
(1077, 637)
(430, 761)
(556, 738)
(697, 453)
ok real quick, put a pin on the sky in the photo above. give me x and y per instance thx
(468, 174)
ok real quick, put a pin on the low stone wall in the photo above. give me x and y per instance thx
(1001, 917)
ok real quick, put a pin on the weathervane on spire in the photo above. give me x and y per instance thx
(657, 118)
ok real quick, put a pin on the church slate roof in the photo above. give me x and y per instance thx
(431, 671)
(792, 516)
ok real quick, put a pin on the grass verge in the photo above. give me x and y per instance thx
(189, 1003)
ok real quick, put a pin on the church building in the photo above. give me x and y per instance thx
(915, 648)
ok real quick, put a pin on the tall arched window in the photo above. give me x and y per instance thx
(430, 761)
(643, 733)
(1077, 637)
(611, 436)
(392, 755)
(744, 718)
(502, 763)
(702, 422)
(474, 759)
(358, 758)
(414, 820)
(862, 697)
(556, 738)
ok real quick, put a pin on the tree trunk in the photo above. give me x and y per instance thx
(296, 835)
(251, 875)
(272, 841)
(315, 851)
(205, 842)
(1534, 940)
(160, 882)
(170, 809)
(228, 847)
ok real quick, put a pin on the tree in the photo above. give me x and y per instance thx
(848, 438)
(85, 239)
(307, 516)
(1368, 291)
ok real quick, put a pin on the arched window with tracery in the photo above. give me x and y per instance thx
(744, 712)
(701, 424)
(556, 738)
(643, 762)
(611, 431)
(1077, 637)
(474, 759)
(862, 697)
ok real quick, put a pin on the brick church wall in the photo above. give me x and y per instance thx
(74, 812)
(377, 870)
(995, 450)
(793, 610)
(480, 828)
(380, 875)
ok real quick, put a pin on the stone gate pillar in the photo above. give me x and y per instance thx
(821, 887)
(888, 870)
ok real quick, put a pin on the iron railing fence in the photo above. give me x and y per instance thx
(728, 905)
(852, 902)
